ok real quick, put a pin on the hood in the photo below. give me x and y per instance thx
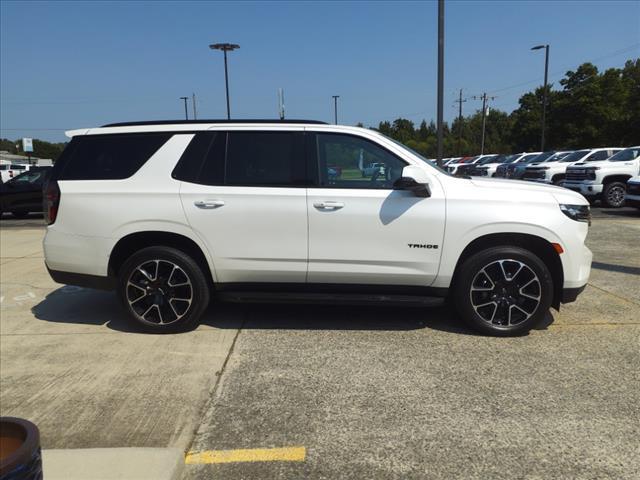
(511, 187)
(546, 164)
(598, 163)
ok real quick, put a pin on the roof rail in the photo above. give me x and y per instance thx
(187, 122)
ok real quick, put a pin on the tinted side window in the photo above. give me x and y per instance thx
(212, 172)
(190, 163)
(265, 159)
(346, 161)
(111, 157)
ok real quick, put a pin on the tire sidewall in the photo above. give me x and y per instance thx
(200, 288)
(477, 261)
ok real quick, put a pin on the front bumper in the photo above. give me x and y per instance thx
(584, 188)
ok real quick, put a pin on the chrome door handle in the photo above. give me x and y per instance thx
(208, 203)
(328, 205)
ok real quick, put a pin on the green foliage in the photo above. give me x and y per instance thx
(41, 149)
(590, 109)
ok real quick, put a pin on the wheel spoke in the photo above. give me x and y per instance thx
(131, 284)
(512, 303)
(159, 292)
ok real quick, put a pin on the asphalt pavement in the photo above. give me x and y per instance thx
(284, 391)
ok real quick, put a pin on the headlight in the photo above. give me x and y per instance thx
(579, 213)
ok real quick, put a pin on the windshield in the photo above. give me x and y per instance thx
(529, 158)
(508, 158)
(543, 157)
(575, 156)
(489, 159)
(558, 156)
(625, 155)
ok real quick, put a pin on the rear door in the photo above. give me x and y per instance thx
(361, 231)
(247, 202)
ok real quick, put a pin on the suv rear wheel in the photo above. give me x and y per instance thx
(503, 291)
(163, 290)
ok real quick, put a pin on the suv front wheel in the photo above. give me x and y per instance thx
(503, 291)
(163, 290)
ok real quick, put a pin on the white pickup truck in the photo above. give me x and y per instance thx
(605, 180)
(553, 171)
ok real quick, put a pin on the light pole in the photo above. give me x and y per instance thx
(440, 81)
(186, 112)
(335, 108)
(544, 93)
(225, 47)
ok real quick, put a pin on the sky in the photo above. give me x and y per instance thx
(66, 65)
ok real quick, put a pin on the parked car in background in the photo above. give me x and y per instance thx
(22, 194)
(10, 170)
(508, 170)
(517, 170)
(604, 179)
(551, 171)
(465, 168)
(373, 168)
(168, 217)
(452, 168)
(632, 197)
(488, 168)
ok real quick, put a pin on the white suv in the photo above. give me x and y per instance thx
(606, 179)
(172, 213)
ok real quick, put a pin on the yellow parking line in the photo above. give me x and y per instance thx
(286, 454)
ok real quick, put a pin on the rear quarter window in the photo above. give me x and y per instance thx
(108, 157)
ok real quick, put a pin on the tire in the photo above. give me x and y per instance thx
(514, 305)
(613, 194)
(558, 181)
(163, 290)
(20, 214)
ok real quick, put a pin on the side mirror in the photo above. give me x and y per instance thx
(408, 183)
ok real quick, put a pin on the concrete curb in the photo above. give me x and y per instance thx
(113, 463)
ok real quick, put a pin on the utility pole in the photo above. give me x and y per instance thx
(335, 108)
(193, 98)
(186, 112)
(459, 102)
(484, 116)
(440, 80)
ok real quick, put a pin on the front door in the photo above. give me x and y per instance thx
(361, 231)
(248, 204)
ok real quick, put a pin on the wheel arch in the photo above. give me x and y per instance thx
(133, 242)
(535, 244)
(623, 178)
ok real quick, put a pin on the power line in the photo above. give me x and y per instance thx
(563, 70)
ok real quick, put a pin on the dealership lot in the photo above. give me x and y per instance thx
(368, 392)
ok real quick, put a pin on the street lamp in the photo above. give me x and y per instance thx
(225, 47)
(544, 94)
(335, 108)
(186, 112)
